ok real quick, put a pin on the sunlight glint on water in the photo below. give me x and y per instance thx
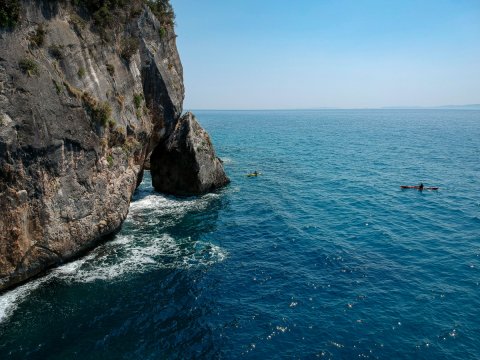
(322, 256)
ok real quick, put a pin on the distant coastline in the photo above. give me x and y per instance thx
(440, 107)
(447, 107)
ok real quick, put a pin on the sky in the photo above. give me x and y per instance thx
(303, 54)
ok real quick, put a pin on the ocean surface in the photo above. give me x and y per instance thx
(321, 256)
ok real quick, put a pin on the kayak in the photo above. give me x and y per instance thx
(418, 187)
(253, 175)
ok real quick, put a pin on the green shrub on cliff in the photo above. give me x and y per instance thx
(78, 23)
(28, 66)
(106, 14)
(9, 13)
(81, 72)
(102, 11)
(38, 38)
(110, 69)
(103, 17)
(162, 32)
(137, 100)
(101, 113)
(163, 11)
(129, 48)
(95, 5)
(56, 51)
(110, 160)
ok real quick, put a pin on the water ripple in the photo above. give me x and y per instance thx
(322, 256)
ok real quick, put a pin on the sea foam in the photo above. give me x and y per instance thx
(132, 253)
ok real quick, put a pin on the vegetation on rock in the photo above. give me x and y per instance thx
(110, 69)
(162, 32)
(110, 160)
(137, 100)
(28, 66)
(163, 11)
(58, 87)
(38, 38)
(81, 73)
(103, 12)
(129, 48)
(9, 13)
(78, 23)
(100, 111)
(56, 52)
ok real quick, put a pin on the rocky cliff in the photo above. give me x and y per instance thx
(184, 162)
(87, 92)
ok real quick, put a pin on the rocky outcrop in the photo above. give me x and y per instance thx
(184, 163)
(80, 110)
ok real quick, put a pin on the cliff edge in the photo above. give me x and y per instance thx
(87, 92)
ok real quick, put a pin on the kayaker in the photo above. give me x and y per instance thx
(420, 187)
(255, 173)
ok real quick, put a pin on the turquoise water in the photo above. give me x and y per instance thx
(322, 256)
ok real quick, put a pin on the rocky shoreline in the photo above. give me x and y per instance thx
(81, 109)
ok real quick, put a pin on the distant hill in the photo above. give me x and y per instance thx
(453, 107)
(469, 106)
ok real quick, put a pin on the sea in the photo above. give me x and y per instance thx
(322, 255)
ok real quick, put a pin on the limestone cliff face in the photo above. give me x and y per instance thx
(79, 114)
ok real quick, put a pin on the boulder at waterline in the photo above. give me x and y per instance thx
(185, 162)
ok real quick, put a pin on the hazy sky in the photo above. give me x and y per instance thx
(271, 54)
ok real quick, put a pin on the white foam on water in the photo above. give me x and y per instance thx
(148, 209)
(131, 254)
(120, 257)
(206, 254)
(226, 160)
(11, 299)
(112, 261)
(170, 205)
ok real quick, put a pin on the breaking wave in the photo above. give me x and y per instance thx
(141, 246)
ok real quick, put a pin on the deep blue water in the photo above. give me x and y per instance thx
(322, 256)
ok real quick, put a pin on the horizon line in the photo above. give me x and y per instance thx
(437, 107)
